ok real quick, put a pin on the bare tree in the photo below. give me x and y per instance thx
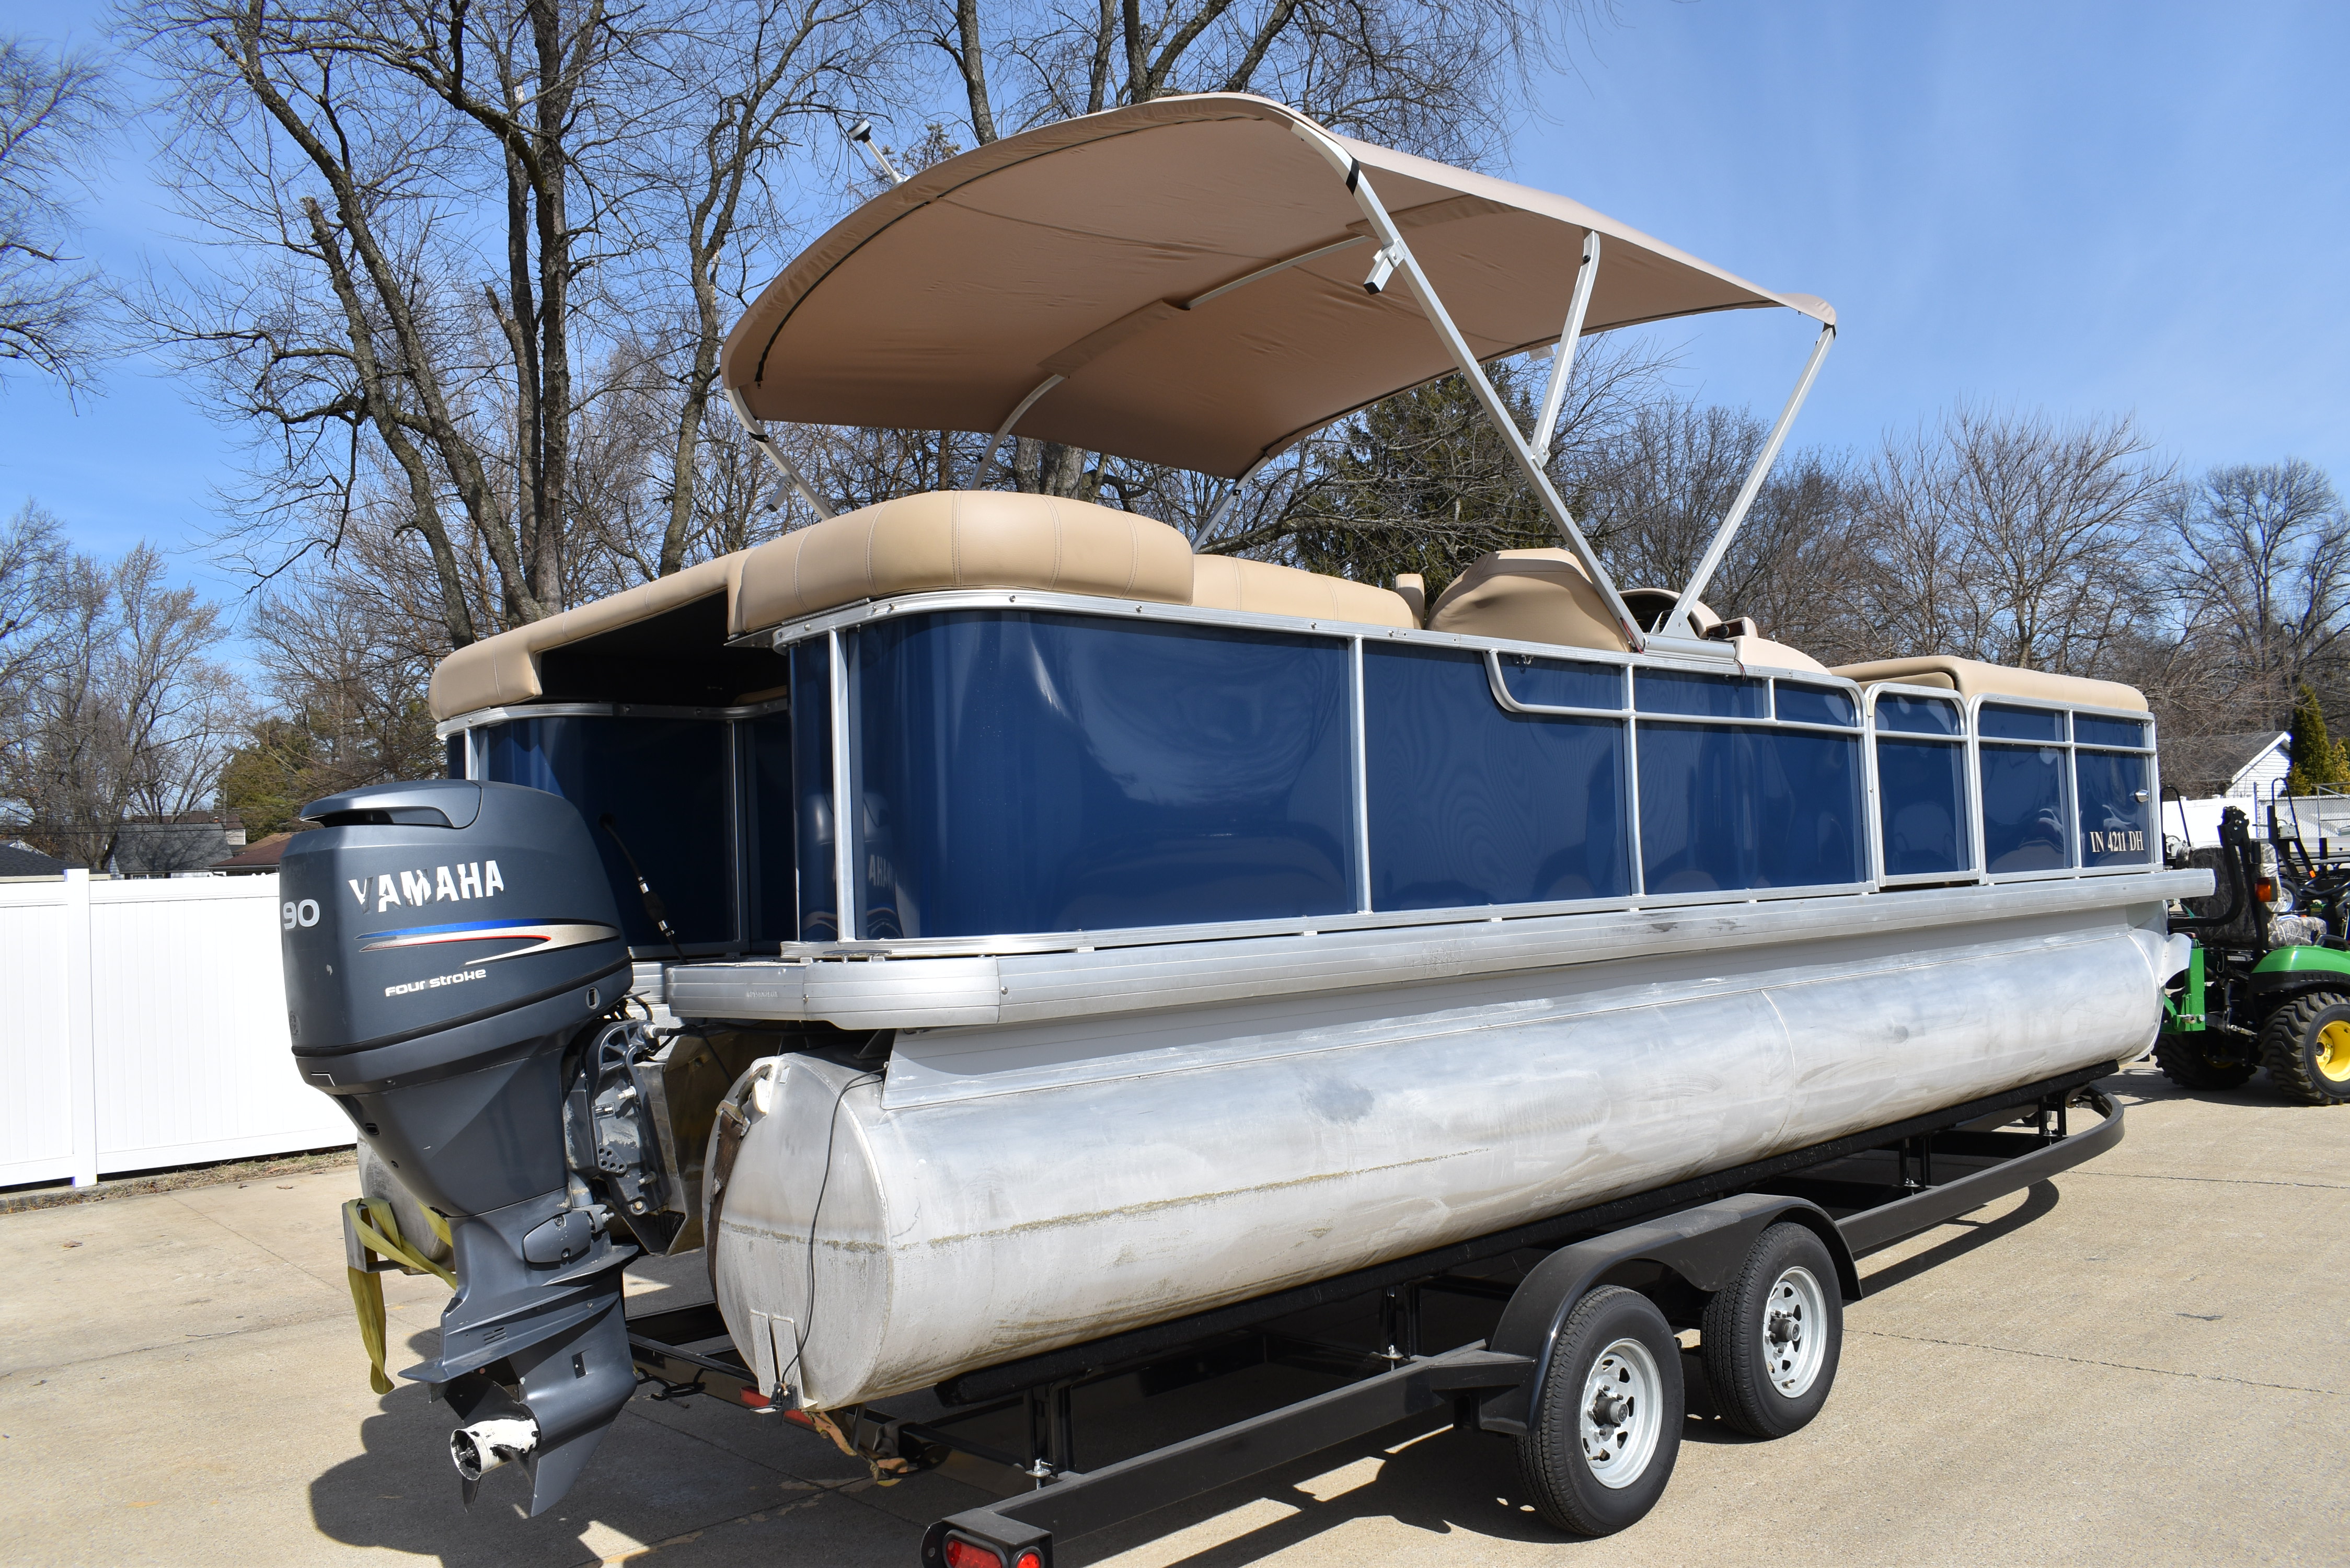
(345, 674)
(1428, 75)
(53, 112)
(2262, 575)
(2014, 538)
(471, 237)
(1656, 492)
(129, 716)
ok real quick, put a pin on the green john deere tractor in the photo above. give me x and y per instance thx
(2268, 981)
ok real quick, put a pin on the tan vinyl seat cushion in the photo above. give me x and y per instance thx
(917, 544)
(1528, 596)
(1770, 655)
(1970, 677)
(504, 668)
(1226, 582)
(962, 539)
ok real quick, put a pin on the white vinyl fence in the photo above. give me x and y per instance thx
(146, 1027)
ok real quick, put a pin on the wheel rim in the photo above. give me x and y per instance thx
(1622, 1413)
(2332, 1058)
(1795, 1332)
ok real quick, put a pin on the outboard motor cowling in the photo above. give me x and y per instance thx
(450, 948)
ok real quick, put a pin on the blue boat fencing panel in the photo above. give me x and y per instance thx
(2115, 791)
(1471, 803)
(1026, 772)
(1731, 806)
(2027, 802)
(663, 783)
(1921, 787)
(1029, 772)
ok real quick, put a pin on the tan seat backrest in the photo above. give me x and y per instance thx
(962, 539)
(1770, 655)
(1226, 582)
(1971, 678)
(1528, 596)
(945, 539)
(504, 668)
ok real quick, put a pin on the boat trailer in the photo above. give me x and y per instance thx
(1386, 1335)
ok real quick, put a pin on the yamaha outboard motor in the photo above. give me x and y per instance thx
(453, 950)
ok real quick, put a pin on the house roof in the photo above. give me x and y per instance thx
(2210, 764)
(17, 860)
(262, 855)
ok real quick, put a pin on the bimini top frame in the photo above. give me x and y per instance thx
(1203, 282)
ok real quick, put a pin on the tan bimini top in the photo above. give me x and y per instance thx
(1193, 268)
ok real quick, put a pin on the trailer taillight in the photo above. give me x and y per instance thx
(963, 1552)
(2264, 890)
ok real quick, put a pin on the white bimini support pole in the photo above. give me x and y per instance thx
(1562, 364)
(1678, 623)
(987, 464)
(767, 445)
(1396, 256)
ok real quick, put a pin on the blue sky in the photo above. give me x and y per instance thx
(2088, 208)
(2084, 208)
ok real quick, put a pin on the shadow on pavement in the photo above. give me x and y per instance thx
(1441, 1482)
(2143, 1083)
(655, 1480)
(2040, 1202)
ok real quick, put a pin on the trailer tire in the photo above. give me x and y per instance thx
(2181, 1057)
(2305, 1046)
(1774, 1334)
(1607, 1420)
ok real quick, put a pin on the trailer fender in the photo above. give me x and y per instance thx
(1702, 1247)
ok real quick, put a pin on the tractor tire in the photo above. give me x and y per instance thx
(2305, 1046)
(2183, 1061)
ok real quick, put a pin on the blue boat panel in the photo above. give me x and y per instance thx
(1817, 705)
(1921, 804)
(1472, 804)
(1022, 771)
(1736, 807)
(2114, 815)
(2027, 810)
(663, 782)
(2090, 730)
(1994, 723)
(1558, 684)
(1918, 715)
(1701, 696)
(767, 787)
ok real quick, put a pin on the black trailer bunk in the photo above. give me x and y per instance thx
(1511, 1332)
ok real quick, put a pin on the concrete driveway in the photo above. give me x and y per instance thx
(2147, 1362)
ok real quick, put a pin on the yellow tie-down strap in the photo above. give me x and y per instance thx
(372, 1242)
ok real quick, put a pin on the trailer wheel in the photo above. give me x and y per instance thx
(1607, 1423)
(2305, 1046)
(2184, 1061)
(1774, 1334)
